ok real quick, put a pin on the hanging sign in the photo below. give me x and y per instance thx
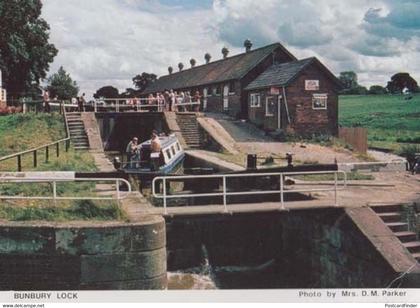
(274, 91)
(312, 85)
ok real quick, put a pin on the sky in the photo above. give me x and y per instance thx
(108, 42)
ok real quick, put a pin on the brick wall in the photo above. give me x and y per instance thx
(304, 119)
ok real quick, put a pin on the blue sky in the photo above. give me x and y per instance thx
(107, 42)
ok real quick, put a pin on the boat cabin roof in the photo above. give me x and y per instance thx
(165, 141)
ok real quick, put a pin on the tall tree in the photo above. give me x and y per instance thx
(25, 53)
(348, 79)
(61, 85)
(141, 82)
(107, 92)
(400, 81)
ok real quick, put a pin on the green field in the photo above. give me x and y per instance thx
(391, 120)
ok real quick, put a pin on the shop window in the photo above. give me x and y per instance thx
(319, 101)
(270, 106)
(255, 100)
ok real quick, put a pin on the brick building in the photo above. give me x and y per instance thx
(268, 86)
(221, 83)
(298, 96)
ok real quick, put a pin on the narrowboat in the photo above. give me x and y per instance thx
(170, 161)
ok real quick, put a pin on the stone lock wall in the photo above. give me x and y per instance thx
(95, 256)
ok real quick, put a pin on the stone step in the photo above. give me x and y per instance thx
(412, 246)
(397, 226)
(405, 236)
(390, 216)
(385, 207)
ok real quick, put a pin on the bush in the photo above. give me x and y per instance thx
(377, 90)
(408, 139)
(409, 151)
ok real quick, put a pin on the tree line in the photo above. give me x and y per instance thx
(398, 83)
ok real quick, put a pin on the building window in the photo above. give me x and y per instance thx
(216, 90)
(255, 100)
(232, 87)
(270, 106)
(319, 101)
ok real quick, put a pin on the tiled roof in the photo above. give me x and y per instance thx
(284, 73)
(279, 74)
(234, 67)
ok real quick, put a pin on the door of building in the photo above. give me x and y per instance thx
(205, 99)
(226, 97)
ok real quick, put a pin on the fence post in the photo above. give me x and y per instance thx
(55, 192)
(95, 106)
(35, 159)
(117, 182)
(67, 145)
(224, 194)
(47, 153)
(164, 196)
(281, 192)
(335, 189)
(57, 145)
(19, 163)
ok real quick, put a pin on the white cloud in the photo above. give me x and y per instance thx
(107, 42)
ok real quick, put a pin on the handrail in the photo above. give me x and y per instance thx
(55, 180)
(225, 193)
(136, 103)
(46, 146)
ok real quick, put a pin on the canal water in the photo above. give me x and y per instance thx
(267, 275)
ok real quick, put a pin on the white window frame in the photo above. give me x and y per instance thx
(320, 96)
(267, 114)
(255, 100)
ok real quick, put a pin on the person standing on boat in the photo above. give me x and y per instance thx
(131, 150)
(155, 147)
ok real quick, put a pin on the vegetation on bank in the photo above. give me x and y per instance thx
(77, 210)
(392, 121)
(19, 132)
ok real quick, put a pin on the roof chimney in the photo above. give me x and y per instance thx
(170, 69)
(180, 66)
(207, 57)
(247, 45)
(192, 62)
(225, 52)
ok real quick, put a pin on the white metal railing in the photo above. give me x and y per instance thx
(225, 193)
(136, 104)
(119, 195)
